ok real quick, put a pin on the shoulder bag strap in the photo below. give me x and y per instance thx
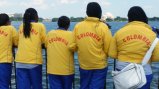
(149, 52)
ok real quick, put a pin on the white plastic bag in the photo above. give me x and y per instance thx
(130, 77)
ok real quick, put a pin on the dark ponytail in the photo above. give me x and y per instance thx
(30, 15)
(4, 19)
(27, 25)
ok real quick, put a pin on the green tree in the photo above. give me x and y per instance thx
(54, 19)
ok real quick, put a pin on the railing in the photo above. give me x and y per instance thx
(44, 67)
(109, 83)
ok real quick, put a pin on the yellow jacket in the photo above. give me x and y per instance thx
(60, 58)
(91, 39)
(8, 37)
(131, 43)
(29, 49)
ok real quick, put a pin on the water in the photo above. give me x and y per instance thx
(109, 83)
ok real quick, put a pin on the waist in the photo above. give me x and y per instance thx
(120, 65)
(129, 59)
(29, 61)
(92, 64)
(6, 60)
(26, 66)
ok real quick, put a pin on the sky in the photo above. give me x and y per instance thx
(77, 8)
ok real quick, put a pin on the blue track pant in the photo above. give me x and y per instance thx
(93, 79)
(29, 78)
(5, 75)
(61, 81)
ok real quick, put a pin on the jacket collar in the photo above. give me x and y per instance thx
(94, 19)
(139, 23)
(61, 28)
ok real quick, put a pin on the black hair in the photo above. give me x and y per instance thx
(29, 16)
(94, 10)
(156, 30)
(108, 25)
(4, 19)
(64, 22)
(136, 13)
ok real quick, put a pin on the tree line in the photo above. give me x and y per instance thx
(78, 19)
(21, 19)
(117, 19)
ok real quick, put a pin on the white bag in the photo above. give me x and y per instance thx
(133, 75)
(130, 77)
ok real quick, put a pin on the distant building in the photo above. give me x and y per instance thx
(47, 20)
(107, 15)
(16, 15)
(11, 15)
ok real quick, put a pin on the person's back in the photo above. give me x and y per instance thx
(130, 43)
(60, 58)
(31, 47)
(29, 54)
(8, 39)
(92, 38)
(60, 64)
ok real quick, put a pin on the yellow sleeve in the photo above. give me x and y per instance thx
(15, 37)
(43, 34)
(113, 48)
(72, 44)
(107, 39)
(155, 54)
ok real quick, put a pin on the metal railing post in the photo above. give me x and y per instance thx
(114, 70)
(46, 67)
(14, 67)
(73, 85)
